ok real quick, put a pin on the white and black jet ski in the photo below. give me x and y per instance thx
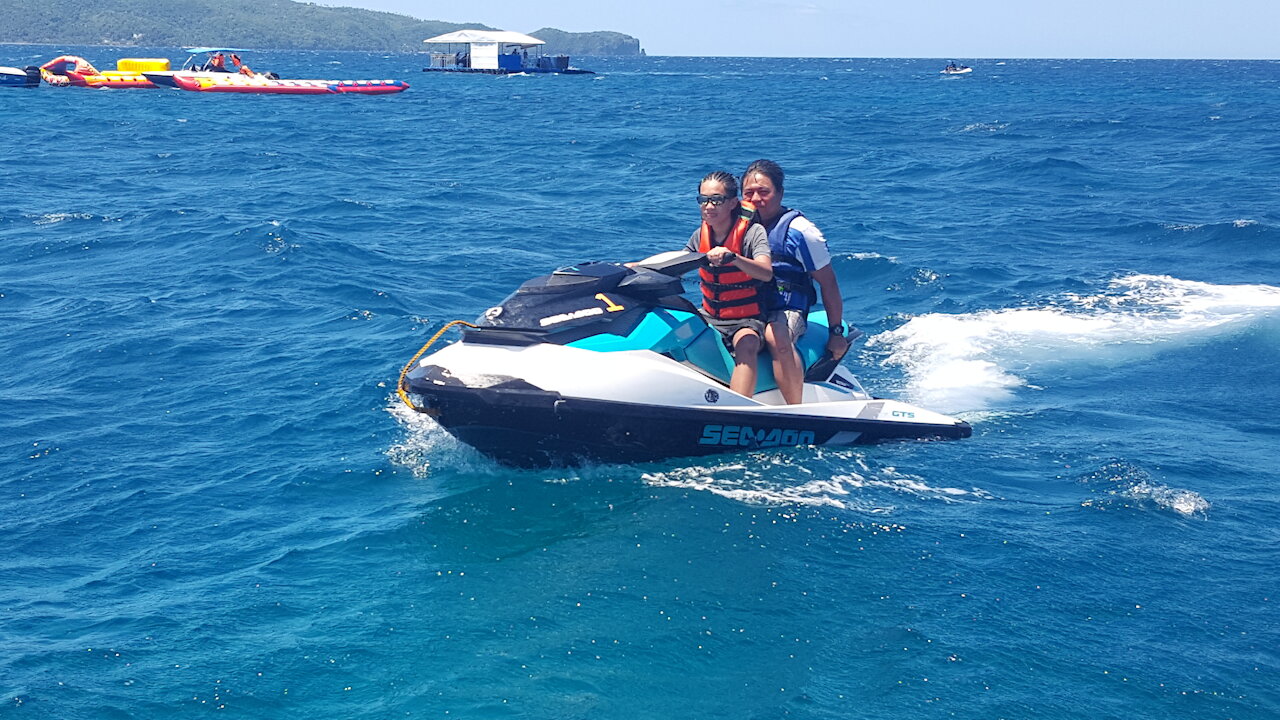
(604, 363)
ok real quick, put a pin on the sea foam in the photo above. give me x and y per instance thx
(428, 447)
(789, 480)
(976, 361)
(1122, 484)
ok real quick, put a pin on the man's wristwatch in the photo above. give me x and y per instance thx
(837, 329)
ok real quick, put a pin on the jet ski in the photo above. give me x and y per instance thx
(601, 362)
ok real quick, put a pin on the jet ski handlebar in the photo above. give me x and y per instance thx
(674, 263)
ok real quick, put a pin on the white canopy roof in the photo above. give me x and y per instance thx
(486, 36)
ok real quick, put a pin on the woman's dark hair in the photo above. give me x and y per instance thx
(767, 168)
(730, 182)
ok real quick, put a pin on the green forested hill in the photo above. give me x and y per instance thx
(588, 43)
(249, 23)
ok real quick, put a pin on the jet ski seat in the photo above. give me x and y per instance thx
(686, 338)
(707, 351)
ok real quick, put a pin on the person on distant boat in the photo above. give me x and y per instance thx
(737, 251)
(217, 63)
(799, 255)
(240, 66)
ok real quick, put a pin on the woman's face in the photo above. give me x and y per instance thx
(716, 203)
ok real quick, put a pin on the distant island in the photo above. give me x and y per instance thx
(275, 24)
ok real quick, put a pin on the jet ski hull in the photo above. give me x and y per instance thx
(536, 428)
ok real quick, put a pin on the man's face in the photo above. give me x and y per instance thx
(758, 190)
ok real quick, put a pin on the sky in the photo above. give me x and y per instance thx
(959, 29)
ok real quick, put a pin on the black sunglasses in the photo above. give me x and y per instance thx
(713, 200)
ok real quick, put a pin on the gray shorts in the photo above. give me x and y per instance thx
(729, 328)
(796, 321)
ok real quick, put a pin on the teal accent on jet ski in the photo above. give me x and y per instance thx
(657, 330)
(813, 343)
(685, 337)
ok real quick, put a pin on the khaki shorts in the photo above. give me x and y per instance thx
(729, 328)
(797, 322)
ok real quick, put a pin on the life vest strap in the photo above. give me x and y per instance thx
(724, 311)
(748, 294)
(726, 276)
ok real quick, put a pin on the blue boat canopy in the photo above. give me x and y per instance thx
(196, 50)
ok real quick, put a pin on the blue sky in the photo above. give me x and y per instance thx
(959, 29)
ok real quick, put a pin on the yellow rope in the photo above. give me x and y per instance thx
(400, 389)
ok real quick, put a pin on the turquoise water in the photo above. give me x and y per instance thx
(211, 500)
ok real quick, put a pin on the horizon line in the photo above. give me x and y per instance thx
(967, 58)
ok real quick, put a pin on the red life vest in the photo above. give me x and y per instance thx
(727, 292)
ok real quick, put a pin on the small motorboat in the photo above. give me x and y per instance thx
(602, 362)
(73, 70)
(19, 77)
(954, 69)
(212, 75)
(200, 63)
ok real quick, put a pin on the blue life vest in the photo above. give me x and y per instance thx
(792, 287)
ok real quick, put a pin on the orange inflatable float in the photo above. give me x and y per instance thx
(75, 70)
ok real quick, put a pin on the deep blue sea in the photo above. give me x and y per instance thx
(211, 500)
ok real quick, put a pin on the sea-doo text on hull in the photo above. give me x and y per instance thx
(605, 363)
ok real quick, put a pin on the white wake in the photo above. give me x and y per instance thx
(975, 361)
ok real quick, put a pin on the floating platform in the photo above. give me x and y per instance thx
(501, 71)
(496, 52)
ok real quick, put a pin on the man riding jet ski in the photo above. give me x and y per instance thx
(601, 362)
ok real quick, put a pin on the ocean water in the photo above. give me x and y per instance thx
(211, 500)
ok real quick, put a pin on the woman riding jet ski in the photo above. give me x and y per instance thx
(606, 363)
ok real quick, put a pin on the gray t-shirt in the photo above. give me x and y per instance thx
(754, 243)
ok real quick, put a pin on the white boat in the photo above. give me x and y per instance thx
(199, 65)
(954, 69)
(19, 77)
